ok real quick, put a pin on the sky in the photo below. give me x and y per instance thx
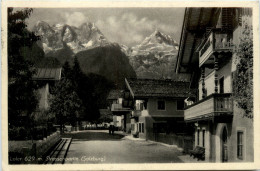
(128, 26)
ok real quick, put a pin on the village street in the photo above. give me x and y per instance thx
(101, 147)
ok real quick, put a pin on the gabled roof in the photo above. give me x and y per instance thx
(47, 74)
(115, 94)
(144, 88)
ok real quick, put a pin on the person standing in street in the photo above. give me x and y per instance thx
(109, 129)
(113, 129)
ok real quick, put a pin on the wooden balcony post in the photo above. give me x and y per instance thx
(203, 82)
(216, 73)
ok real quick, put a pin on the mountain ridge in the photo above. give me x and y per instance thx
(154, 57)
(84, 37)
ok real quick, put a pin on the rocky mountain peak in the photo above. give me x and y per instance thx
(77, 39)
(159, 38)
(156, 33)
(42, 24)
(155, 56)
(42, 27)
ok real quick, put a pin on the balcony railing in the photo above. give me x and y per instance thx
(209, 107)
(216, 41)
(119, 108)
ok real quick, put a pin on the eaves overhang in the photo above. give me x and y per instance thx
(194, 25)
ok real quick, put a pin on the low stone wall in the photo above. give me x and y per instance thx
(182, 141)
(42, 146)
(31, 151)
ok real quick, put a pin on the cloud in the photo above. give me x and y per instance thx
(129, 29)
(75, 18)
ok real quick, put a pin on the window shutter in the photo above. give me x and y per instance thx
(226, 15)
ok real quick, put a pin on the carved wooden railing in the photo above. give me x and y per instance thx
(215, 41)
(209, 106)
(118, 107)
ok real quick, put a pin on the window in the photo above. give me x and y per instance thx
(221, 85)
(161, 105)
(240, 145)
(180, 104)
(120, 100)
(145, 105)
(139, 105)
(198, 137)
(141, 127)
(203, 138)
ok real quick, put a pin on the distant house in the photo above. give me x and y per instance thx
(46, 78)
(206, 52)
(121, 117)
(158, 106)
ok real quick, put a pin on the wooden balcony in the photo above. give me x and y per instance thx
(218, 107)
(214, 42)
(115, 107)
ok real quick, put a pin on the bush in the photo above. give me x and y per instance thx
(18, 133)
(21, 133)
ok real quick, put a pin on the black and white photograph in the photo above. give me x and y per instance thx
(130, 85)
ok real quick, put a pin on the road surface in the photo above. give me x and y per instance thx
(100, 147)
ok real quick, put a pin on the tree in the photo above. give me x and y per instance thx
(65, 103)
(101, 89)
(66, 71)
(77, 73)
(106, 117)
(22, 97)
(243, 78)
(85, 90)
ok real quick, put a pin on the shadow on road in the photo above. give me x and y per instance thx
(92, 136)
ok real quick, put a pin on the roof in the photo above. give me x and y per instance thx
(47, 74)
(195, 23)
(115, 94)
(142, 88)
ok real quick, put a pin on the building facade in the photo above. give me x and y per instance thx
(121, 114)
(46, 78)
(207, 51)
(157, 107)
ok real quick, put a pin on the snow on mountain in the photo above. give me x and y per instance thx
(60, 36)
(155, 56)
